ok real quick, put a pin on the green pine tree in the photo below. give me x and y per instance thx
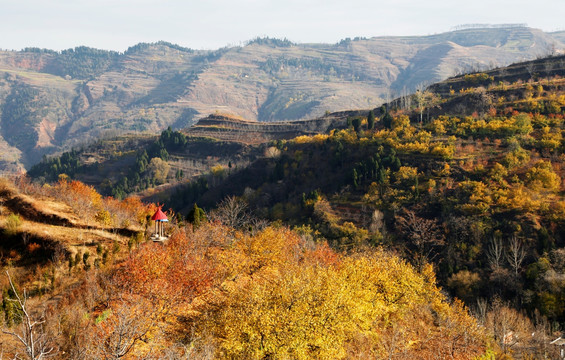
(371, 120)
(196, 216)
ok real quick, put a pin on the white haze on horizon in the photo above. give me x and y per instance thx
(211, 24)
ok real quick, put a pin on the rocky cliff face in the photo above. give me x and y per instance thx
(51, 101)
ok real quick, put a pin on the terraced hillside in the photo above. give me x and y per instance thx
(227, 128)
(51, 101)
(214, 145)
(534, 70)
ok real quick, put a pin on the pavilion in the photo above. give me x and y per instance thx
(160, 218)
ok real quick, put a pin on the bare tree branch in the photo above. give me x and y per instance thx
(31, 333)
(495, 253)
(516, 254)
(232, 212)
(423, 235)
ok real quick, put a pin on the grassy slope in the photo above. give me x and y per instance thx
(53, 224)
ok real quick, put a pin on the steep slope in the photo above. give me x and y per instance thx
(83, 290)
(55, 222)
(50, 101)
(138, 163)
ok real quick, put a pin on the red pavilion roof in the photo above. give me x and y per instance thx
(159, 216)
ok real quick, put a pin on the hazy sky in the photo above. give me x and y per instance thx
(210, 24)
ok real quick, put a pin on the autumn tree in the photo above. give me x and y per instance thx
(508, 326)
(465, 285)
(232, 212)
(423, 235)
(159, 170)
(81, 197)
(543, 177)
(120, 328)
(421, 96)
(300, 307)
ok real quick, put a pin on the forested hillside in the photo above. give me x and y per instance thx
(51, 101)
(466, 175)
(81, 280)
(429, 227)
(217, 144)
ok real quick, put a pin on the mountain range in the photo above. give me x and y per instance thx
(51, 101)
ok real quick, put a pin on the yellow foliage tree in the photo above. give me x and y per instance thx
(284, 301)
(542, 176)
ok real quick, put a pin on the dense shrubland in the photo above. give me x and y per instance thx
(249, 290)
(215, 291)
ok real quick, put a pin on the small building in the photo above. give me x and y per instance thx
(160, 218)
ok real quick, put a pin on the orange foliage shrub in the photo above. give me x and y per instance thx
(84, 199)
(129, 211)
(175, 273)
(32, 247)
(90, 205)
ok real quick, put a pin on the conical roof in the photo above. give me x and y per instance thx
(159, 216)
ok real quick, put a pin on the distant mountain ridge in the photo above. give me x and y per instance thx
(50, 101)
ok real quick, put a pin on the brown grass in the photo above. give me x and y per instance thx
(51, 222)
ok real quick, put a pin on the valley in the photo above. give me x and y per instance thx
(427, 225)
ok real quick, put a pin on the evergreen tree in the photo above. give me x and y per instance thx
(371, 120)
(356, 124)
(355, 177)
(12, 310)
(196, 216)
(387, 120)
